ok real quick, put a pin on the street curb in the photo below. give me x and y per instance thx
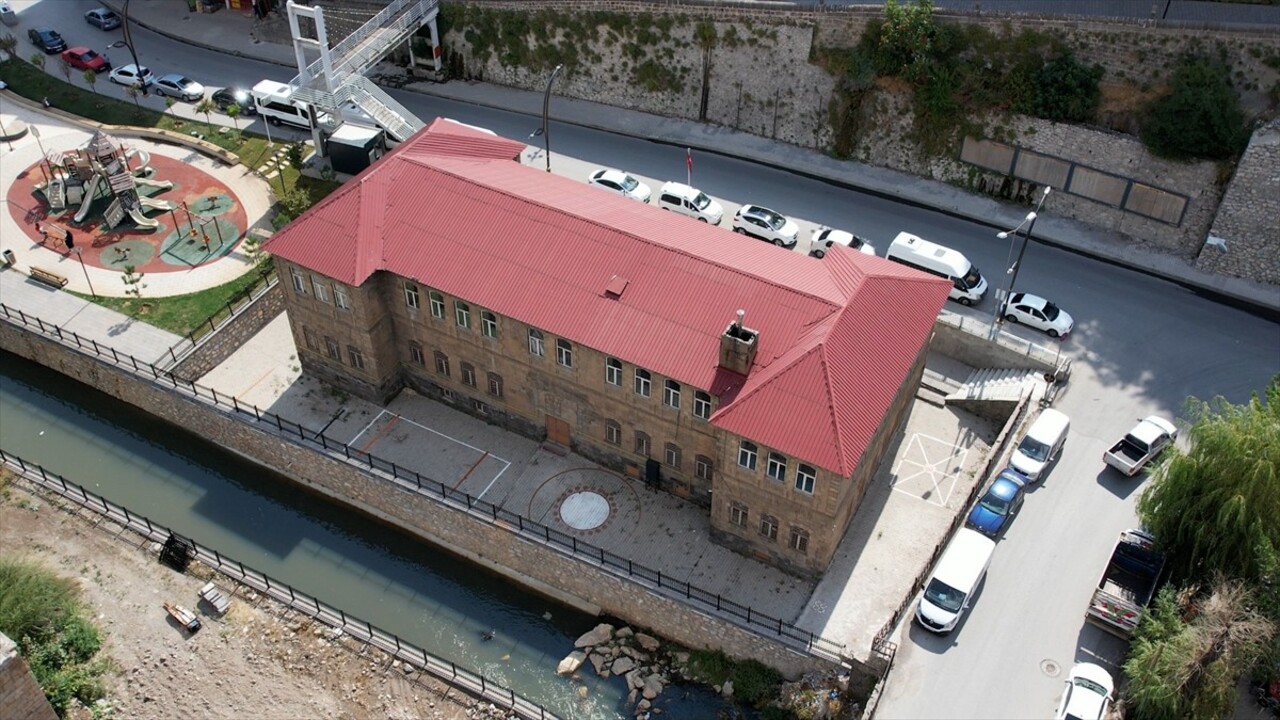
(1267, 301)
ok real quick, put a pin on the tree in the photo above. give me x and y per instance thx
(65, 66)
(205, 106)
(133, 284)
(905, 40)
(1190, 649)
(233, 112)
(168, 105)
(1066, 90)
(91, 77)
(7, 43)
(1200, 117)
(133, 92)
(37, 59)
(1216, 507)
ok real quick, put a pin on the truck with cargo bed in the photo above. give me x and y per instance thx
(1128, 584)
(1141, 445)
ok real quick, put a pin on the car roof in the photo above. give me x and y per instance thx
(679, 188)
(45, 29)
(1034, 301)
(175, 77)
(611, 174)
(77, 50)
(758, 210)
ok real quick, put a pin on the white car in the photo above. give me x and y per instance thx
(690, 201)
(131, 75)
(179, 86)
(765, 224)
(824, 237)
(1034, 311)
(621, 183)
(1088, 694)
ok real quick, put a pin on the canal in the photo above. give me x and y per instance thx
(426, 596)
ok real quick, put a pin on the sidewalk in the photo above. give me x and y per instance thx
(232, 32)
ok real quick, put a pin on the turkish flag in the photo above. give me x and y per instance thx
(689, 158)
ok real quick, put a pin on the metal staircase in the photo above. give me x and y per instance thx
(336, 78)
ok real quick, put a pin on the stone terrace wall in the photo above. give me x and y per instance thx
(1249, 217)
(232, 336)
(536, 566)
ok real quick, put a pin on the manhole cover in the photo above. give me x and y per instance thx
(584, 510)
(1050, 668)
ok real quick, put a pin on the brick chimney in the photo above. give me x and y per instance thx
(738, 346)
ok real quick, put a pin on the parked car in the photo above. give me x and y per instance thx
(824, 237)
(132, 75)
(47, 39)
(226, 97)
(622, 183)
(1141, 445)
(1034, 311)
(1088, 693)
(102, 18)
(995, 511)
(765, 224)
(179, 86)
(82, 58)
(690, 201)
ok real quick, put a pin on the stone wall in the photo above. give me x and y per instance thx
(537, 566)
(232, 335)
(20, 695)
(1249, 218)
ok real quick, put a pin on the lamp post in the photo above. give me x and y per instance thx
(1016, 265)
(79, 254)
(127, 42)
(545, 130)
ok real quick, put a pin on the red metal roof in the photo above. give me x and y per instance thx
(836, 336)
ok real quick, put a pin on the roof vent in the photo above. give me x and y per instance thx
(615, 287)
(738, 346)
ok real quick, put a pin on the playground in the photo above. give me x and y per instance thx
(118, 205)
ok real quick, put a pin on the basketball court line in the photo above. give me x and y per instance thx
(484, 454)
(934, 470)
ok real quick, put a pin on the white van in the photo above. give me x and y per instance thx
(1042, 443)
(678, 197)
(274, 102)
(967, 284)
(954, 579)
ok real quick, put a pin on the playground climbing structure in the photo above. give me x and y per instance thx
(104, 170)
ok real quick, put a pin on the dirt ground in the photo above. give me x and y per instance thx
(260, 660)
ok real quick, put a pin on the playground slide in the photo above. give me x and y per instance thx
(158, 184)
(90, 194)
(153, 204)
(141, 220)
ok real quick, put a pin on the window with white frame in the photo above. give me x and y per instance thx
(613, 371)
(495, 384)
(415, 353)
(468, 374)
(738, 514)
(442, 363)
(799, 539)
(702, 405)
(299, 281)
(488, 324)
(462, 313)
(644, 382)
(642, 444)
(410, 295)
(536, 346)
(671, 455)
(564, 352)
(703, 467)
(671, 394)
(340, 297)
(331, 349)
(769, 527)
(437, 304)
(777, 468)
(355, 356)
(321, 288)
(613, 432)
(747, 453)
(806, 476)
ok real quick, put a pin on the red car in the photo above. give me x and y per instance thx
(82, 58)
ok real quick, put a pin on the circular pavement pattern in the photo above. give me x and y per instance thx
(584, 510)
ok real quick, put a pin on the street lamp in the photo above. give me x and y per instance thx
(1030, 222)
(545, 130)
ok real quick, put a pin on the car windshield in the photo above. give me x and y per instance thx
(629, 183)
(702, 201)
(87, 56)
(944, 596)
(1034, 449)
(972, 277)
(994, 504)
(1050, 311)
(181, 81)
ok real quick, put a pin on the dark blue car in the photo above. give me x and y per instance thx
(996, 509)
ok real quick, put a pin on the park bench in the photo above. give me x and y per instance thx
(48, 277)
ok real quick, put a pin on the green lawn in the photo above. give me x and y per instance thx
(108, 103)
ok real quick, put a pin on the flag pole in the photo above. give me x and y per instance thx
(688, 154)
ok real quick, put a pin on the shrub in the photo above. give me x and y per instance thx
(1200, 117)
(1066, 90)
(755, 682)
(905, 37)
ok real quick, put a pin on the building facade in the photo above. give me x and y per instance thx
(771, 415)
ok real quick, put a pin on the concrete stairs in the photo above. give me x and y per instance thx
(993, 392)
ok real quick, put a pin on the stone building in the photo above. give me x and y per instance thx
(763, 384)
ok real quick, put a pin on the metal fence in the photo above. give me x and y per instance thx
(653, 580)
(981, 328)
(221, 317)
(461, 678)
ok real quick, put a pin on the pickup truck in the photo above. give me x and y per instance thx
(1127, 586)
(1141, 445)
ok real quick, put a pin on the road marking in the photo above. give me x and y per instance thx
(400, 418)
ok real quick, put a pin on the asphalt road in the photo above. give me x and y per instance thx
(1141, 346)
